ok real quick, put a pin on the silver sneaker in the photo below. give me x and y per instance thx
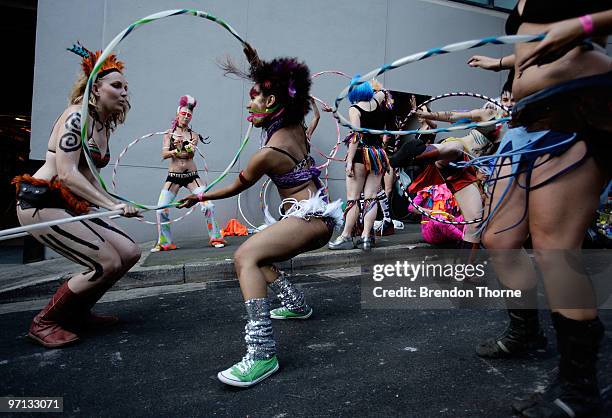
(341, 243)
(365, 244)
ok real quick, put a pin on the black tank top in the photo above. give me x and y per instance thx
(549, 11)
(374, 119)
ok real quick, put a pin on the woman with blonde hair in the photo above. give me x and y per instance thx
(65, 187)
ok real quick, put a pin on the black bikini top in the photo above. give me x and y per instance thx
(172, 147)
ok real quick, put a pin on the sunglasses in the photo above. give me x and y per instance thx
(183, 113)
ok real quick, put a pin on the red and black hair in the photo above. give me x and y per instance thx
(286, 78)
(289, 81)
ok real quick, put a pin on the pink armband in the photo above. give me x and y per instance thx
(200, 197)
(587, 24)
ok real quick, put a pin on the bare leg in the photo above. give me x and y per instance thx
(514, 270)
(280, 241)
(450, 150)
(126, 248)
(370, 190)
(81, 242)
(558, 221)
(470, 204)
(354, 186)
(389, 179)
(107, 253)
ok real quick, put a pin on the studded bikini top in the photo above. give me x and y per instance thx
(302, 172)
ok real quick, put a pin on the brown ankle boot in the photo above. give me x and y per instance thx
(47, 327)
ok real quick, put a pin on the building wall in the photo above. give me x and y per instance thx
(176, 56)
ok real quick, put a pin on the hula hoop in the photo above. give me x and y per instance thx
(460, 94)
(107, 51)
(262, 203)
(124, 152)
(243, 215)
(440, 212)
(336, 147)
(17, 231)
(332, 154)
(460, 46)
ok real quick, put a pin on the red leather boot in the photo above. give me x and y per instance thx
(84, 319)
(94, 321)
(47, 327)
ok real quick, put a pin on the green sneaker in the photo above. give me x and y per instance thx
(284, 313)
(248, 372)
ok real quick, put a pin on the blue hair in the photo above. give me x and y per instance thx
(360, 93)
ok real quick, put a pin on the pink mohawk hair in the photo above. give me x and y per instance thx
(187, 101)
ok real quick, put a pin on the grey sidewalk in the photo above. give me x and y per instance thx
(194, 261)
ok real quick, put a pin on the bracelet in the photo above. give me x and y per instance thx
(587, 24)
(500, 63)
(243, 180)
(200, 197)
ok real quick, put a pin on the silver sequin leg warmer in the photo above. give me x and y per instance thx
(290, 296)
(258, 330)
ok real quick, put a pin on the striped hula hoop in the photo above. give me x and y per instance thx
(419, 56)
(107, 51)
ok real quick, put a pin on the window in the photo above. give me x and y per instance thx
(503, 5)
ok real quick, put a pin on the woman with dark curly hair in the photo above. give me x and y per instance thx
(280, 100)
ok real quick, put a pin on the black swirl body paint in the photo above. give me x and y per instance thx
(71, 140)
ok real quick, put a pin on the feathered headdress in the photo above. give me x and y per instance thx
(89, 60)
(187, 101)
